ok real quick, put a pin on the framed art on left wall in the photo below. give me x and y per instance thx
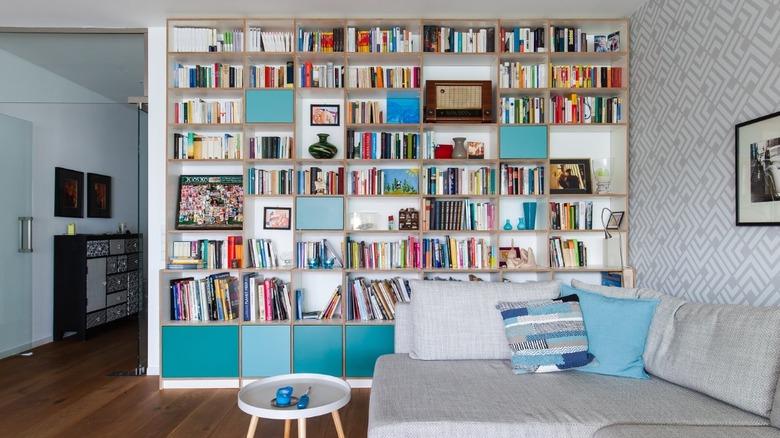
(98, 195)
(68, 192)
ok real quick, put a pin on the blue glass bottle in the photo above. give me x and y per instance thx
(507, 225)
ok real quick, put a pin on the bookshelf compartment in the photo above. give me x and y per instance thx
(318, 349)
(265, 351)
(364, 345)
(269, 106)
(199, 352)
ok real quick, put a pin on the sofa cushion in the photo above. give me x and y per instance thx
(403, 335)
(545, 335)
(458, 320)
(481, 398)
(607, 291)
(664, 431)
(617, 331)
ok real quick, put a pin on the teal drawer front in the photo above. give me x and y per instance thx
(200, 351)
(364, 345)
(523, 142)
(269, 106)
(317, 349)
(265, 350)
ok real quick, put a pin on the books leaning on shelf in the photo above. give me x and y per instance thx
(447, 39)
(207, 254)
(334, 305)
(262, 254)
(571, 215)
(316, 181)
(365, 112)
(266, 299)
(522, 180)
(321, 40)
(460, 181)
(586, 76)
(264, 41)
(368, 300)
(517, 75)
(271, 76)
(213, 298)
(450, 253)
(376, 39)
(522, 39)
(198, 39)
(383, 77)
(271, 147)
(208, 76)
(325, 75)
(567, 253)
(208, 111)
(586, 109)
(269, 182)
(382, 145)
(522, 110)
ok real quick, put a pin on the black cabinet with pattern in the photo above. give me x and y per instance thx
(96, 280)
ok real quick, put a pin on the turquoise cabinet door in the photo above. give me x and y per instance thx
(317, 349)
(209, 351)
(265, 350)
(269, 106)
(522, 142)
(364, 345)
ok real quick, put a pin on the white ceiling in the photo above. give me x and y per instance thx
(112, 64)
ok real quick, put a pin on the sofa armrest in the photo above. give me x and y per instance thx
(403, 328)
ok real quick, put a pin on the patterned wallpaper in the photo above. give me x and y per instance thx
(697, 68)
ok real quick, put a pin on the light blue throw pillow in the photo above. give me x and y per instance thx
(617, 332)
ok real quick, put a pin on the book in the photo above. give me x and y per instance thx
(476, 149)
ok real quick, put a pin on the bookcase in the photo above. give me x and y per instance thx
(247, 97)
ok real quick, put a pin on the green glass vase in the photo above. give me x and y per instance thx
(322, 148)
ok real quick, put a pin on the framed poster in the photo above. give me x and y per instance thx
(276, 218)
(570, 175)
(68, 192)
(757, 173)
(98, 195)
(324, 115)
(210, 202)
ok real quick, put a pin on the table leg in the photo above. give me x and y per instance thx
(252, 427)
(337, 422)
(301, 428)
(286, 428)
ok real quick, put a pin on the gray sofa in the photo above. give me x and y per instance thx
(713, 372)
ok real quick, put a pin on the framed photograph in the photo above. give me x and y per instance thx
(276, 218)
(210, 202)
(613, 223)
(503, 254)
(570, 176)
(758, 171)
(68, 192)
(98, 195)
(324, 115)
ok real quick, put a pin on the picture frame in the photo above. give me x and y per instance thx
(277, 218)
(570, 176)
(325, 115)
(615, 219)
(503, 254)
(68, 192)
(98, 195)
(757, 171)
(210, 202)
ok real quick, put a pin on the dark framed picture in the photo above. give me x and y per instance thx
(276, 218)
(98, 195)
(570, 175)
(503, 254)
(615, 219)
(758, 171)
(68, 192)
(210, 202)
(325, 115)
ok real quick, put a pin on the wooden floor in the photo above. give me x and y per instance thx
(64, 390)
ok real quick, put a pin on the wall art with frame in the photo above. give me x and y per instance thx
(757, 176)
(276, 218)
(570, 176)
(210, 202)
(324, 115)
(98, 195)
(68, 192)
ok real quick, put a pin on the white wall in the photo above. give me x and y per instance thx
(77, 129)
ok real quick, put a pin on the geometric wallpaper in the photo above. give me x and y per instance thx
(696, 70)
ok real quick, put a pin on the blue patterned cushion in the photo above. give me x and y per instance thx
(545, 335)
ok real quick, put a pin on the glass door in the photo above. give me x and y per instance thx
(143, 230)
(16, 238)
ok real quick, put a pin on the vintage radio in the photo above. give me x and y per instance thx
(458, 101)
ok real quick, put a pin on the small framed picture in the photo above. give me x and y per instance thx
(276, 218)
(503, 254)
(614, 220)
(757, 171)
(570, 176)
(325, 115)
(98, 195)
(68, 192)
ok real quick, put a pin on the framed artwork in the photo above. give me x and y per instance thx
(325, 115)
(615, 218)
(210, 202)
(758, 171)
(276, 218)
(68, 190)
(570, 175)
(98, 195)
(503, 254)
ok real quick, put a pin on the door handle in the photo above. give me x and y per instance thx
(25, 234)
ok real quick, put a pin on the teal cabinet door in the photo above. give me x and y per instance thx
(364, 345)
(317, 349)
(265, 350)
(200, 351)
(269, 106)
(522, 142)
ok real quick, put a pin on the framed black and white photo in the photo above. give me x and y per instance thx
(276, 218)
(757, 173)
(324, 115)
(570, 175)
(68, 192)
(98, 195)
(615, 219)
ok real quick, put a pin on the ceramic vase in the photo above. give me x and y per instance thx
(322, 148)
(459, 148)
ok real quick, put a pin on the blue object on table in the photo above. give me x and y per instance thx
(304, 401)
(283, 395)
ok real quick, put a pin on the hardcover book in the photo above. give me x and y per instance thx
(210, 202)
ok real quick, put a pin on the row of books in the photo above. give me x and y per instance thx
(372, 145)
(321, 250)
(321, 40)
(208, 76)
(446, 39)
(364, 112)
(458, 214)
(212, 111)
(567, 253)
(316, 181)
(379, 255)
(586, 109)
(566, 39)
(522, 180)
(262, 253)
(269, 182)
(333, 308)
(518, 75)
(571, 215)
(375, 181)
(266, 299)
(460, 181)
(585, 76)
(394, 40)
(192, 146)
(201, 39)
(522, 39)
(207, 254)
(271, 76)
(321, 76)
(450, 253)
(369, 300)
(212, 298)
(258, 40)
(273, 147)
(383, 77)
(522, 110)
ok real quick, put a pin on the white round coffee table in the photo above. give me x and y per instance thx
(327, 395)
